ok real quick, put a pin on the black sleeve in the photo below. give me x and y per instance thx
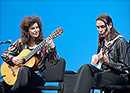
(116, 61)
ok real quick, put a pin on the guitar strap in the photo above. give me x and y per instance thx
(110, 43)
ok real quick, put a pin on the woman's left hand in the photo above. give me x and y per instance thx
(50, 42)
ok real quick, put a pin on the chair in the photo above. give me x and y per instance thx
(69, 81)
(119, 88)
(54, 74)
(113, 88)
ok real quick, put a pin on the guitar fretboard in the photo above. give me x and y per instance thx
(56, 33)
(27, 57)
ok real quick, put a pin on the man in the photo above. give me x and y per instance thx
(112, 49)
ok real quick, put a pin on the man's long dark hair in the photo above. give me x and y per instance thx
(113, 33)
(26, 23)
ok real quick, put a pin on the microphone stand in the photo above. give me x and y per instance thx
(5, 42)
(2, 76)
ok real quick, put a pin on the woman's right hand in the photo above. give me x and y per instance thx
(17, 60)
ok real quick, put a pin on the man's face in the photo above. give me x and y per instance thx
(101, 27)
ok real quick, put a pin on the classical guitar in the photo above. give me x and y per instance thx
(10, 72)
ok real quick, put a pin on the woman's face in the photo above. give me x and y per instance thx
(34, 30)
(101, 27)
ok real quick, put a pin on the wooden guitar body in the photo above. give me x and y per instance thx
(11, 72)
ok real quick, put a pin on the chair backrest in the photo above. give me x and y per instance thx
(55, 73)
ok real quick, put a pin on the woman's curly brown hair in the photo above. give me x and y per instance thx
(26, 23)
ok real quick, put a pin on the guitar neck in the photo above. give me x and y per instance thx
(56, 33)
(26, 58)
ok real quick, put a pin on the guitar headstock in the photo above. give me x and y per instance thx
(57, 32)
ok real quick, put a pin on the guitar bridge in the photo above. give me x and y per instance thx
(13, 73)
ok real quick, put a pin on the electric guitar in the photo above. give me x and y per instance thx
(9, 72)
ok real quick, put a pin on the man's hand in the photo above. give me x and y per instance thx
(97, 57)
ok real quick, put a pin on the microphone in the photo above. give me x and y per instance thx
(5, 42)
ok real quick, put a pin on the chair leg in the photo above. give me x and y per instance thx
(101, 90)
(112, 91)
(61, 84)
(59, 92)
(92, 90)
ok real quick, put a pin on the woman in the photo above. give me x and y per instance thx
(110, 58)
(31, 36)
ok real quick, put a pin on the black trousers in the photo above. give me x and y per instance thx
(27, 77)
(88, 75)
